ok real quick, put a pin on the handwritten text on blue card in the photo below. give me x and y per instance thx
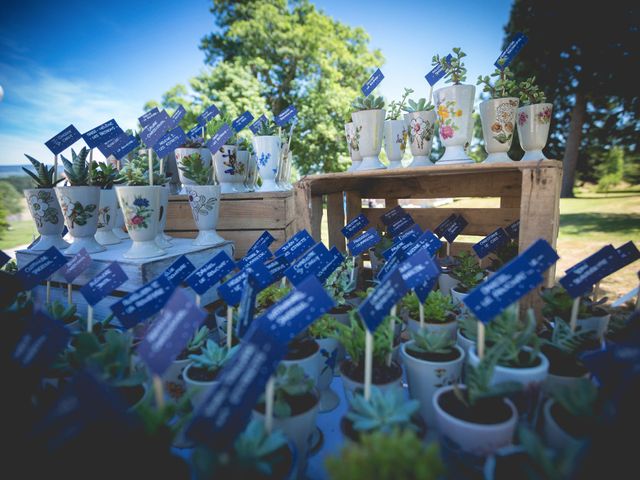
(41, 268)
(170, 141)
(219, 138)
(242, 121)
(385, 295)
(437, 72)
(210, 273)
(103, 284)
(102, 133)
(208, 115)
(286, 116)
(372, 83)
(179, 270)
(491, 243)
(63, 140)
(76, 265)
(144, 302)
(515, 45)
(354, 226)
(367, 240)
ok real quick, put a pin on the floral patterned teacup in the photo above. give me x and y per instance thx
(454, 107)
(80, 209)
(47, 215)
(498, 118)
(268, 151)
(107, 218)
(421, 126)
(229, 169)
(140, 207)
(353, 142)
(533, 129)
(205, 206)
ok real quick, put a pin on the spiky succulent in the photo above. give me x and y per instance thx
(563, 338)
(270, 295)
(199, 338)
(579, 400)
(352, 337)
(105, 176)
(504, 85)
(289, 382)
(197, 142)
(65, 313)
(512, 336)
(503, 255)
(77, 170)
(422, 105)
(43, 176)
(455, 71)
(545, 462)
(383, 412)
(133, 176)
(370, 102)
(425, 341)
(266, 129)
(530, 93)
(213, 357)
(194, 169)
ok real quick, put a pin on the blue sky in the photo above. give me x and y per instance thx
(85, 62)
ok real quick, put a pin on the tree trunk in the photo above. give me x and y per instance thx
(572, 148)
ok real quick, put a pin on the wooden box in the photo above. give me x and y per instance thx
(243, 218)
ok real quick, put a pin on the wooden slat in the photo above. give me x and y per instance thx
(316, 217)
(510, 202)
(389, 203)
(354, 204)
(242, 239)
(302, 195)
(335, 220)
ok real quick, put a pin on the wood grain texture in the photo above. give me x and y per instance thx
(335, 220)
(302, 195)
(317, 211)
(354, 204)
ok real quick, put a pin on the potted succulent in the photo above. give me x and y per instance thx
(440, 313)
(67, 314)
(454, 106)
(432, 360)
(44, 207)
(534, 119)
(304, 351)
(445, 281)
(173, 375)
(267, 146)
(467, 334)
(229, 172)
(468, 273)
(204, 199)
(79, 202)
(106, 176)
(341, 285)
(323, 331)
(498, 114)
(193, 148)
(502, 255)
(375, 253)
(353, 139)
(420, 120)
(270, 296)
(243, 154)
(395, 132)
(368, 119)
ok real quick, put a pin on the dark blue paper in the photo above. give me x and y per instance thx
(427, 241)
(264, 241)
(107, 147)
(124, 146)
(170, 141)
(400, 225)
(437, 72)
(392, 215)
(296, 246)
(439, 230)
(354, 226)
(102, 133)
(41, 268)
(103, 284)
(418, 269)
(372, 83)
(628, 253)
(208, 115)
(144, 302)
(147, 117)
(219, 138)
(195, 132)
(247, 306)
(178, 115)
(385, 295)
(276, 267)
(309, 263)
(42, 339)
(335, 259)
(491, 242)
(179, 270)
(210, 273)
(156, 129)
(63, 140)
(231, 290)
(455, 228)
(581, 277)
(515, 45)
(257, 255)
(364, 242)
(286, 115)
(4, 258)
(242, 121)
(409, 235)
(423, 291)
(513, 230)
(76, 265)
(255, 126)
(392, 263)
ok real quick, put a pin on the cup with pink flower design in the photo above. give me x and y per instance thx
(421, 127)
(533, 129)
(498, 117)
(454, 107)
(141, 210)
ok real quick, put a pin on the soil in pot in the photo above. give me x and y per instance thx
(131, 395)
(578, 427)
(341, 309)
(487, 411)
(299, 404)
(512, 466)
(563, 365)
(449, 356)
(352, 434)
(381, 373)
(299, 349)
(522, 361)
(201, 374)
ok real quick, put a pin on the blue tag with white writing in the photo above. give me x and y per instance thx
(628, 254)
(177, 116)
(354, 226)
(437, 72)
(427, 241)
(455, 228)
(42, 339)
(195, 132)
(143, 302)
(513, 230)
(373, 82)
(4, 258)
(156, 129)
(264, 241)
(385, 295)
(179, 270)
(170, 332)
(400, 225)
(581, 277)
(255, 126)
(440, 229)
(107, 147)
(231, 290)
(170, 141)
(409, 235)
(41, 268)
(286, 116)
(242, 121)
(392, 215)
(210, 273)
(219, 138)
(247, 305)
(124, 145)
(104, 283)
(258, 255)
(309, 263)
(102, 133)
(296, 246)
(392, 264)
(418, 269)
(63, 140)
(335, 259)
(423, 291)
(364, 242)
(491, 242)
(147, 117)
(509, 53)
(277, 267)
(208, 115)
(76, 265)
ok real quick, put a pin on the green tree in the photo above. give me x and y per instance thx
(11, 199)
(267, 54)
(611, 169)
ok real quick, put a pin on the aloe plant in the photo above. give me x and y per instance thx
(105, 176)
(368, 103)
(194, 169)
(530, 93)
(352, 337)
(579, 399)
(467, 272)
(437, 308)
(213, 357)
(396, 108)
(504, 85)
(564, 339)
(267, 129)
(425, 341)
(43, 176)
(77, 170)
(422, 105)
(289, 382)
(198, 340)
(455, 71)
(383, 412)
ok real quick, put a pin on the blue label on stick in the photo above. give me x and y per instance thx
(400, 225)
(308, 264)
(124, 145)
(418, 269)
(277, 267)
(63, 140)
(628, 254)
(4, 258)
(385, 295)
(107, 147)
(513, 230)
(102, 133)
(440, 229)
(255, 126)
(264, 241)
(231, 290)
(257, 255)
(210, 273)
(354, 226)
(296, 246)
(242, 121)
(42, 339)
(455, 228)
(41, 268)
(103, 284)
(335, 259)
(509, 53)
(195, 132)
(156, 129)
(392, 264)
(143, 302)
(219, 138)
(427, 241)
(491, 242)
(247, 306)
(74, 267)
(367, 240)
(392, 215)
(373, 82)
(208, 115)
(581, 277)
(179, 270)
(170, 141)
(147, 117)
(178, 115)
(409, 235)
(286, 116)
(437, 72)
(423, 291)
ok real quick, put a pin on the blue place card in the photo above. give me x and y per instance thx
(392, 264)
(255, 126)
(156, 129)
(41, 268)
(42, 339)
(539, 255)
(385, 295)
(208, 115)
(404, 241)
(437, 72)
(310, 263)
(335, 259)
(144, 302)
(170, 332)
(264, 241)
(400, 225)
(354, 226)
(247, 305)
(257, 255)
(423, 291)
(4, 258)
(179, 270)
(76, 265)
(509, 53)
(277, 267)
(581, 277)
(427, 241)
(418, 269)
(102, 133)
(103, 284)
(440, 229)
(296, 246)
(364, 242)
(124, 145)
(178, 115)
(242, 121)
(409, 235)
(392, 215)
(195, 132)
(107, 147)
(210, 273)
(491, 242)
(455, 228)
(63, 140)
(513, 230)
(373, 82)
(231, 290)
(628, 253)
(286, 115)
(170, 141)
(147, 117)
(219, 138)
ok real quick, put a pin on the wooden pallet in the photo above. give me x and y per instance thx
(243, 218)
(528, 191)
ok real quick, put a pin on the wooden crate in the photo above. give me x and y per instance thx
(243, 218)
(528, 191)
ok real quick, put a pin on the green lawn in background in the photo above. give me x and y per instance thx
(21, 233)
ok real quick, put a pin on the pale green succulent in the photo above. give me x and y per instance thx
(422, 105)
(383, 412)
(370, 102)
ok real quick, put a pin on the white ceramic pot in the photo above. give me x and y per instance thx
(454, 107)
(47, 215)
(181, 154)
(554, 435)
(527, 377)
(446, 282)
(196, 389)
(239, 181)
(311, 365)
(464, 342)
(205, 207)
(328, 358)
(268, 149)
(458, 298)
(498, 117)
(425, 377)
(475, 438)
(161, 239)
(597, 324)
(252, 174)
(450, 328)
(421, 126)
(555, 382)
(174, 372)
(353, 139)
(395, 142)
(370, 124)
(107, 218)
(141, 209)
(350, 386)
(229, 171)
(533, 129)
(80, 209)
(119, 229)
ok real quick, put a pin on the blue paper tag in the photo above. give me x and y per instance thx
(515, 45)
(108, 146)
(143, 302)
(277, 267)
(418, 269)
(491, 242)
(231, 290)
(423, 291)
(103, 284)
(147, 117)
(76, 265)
(41, 268)
(455, 228)
(42, 339)
(255, 126)
(296, 246)
(385, 295)
(195, 132)
(4, 258)
(170, 332)
(403, 241)
(179, 270)
(156, 129)
(372, 83)
(210, 273)
(628, 253)
(242, 121)
(581, 277)
(310, 263)
(409, 235)
(392, 264)
(334, 260)
(427, 241)
(400, 225)
(124, 145)
(247, 306)
(364, 242)
(208, 115)
(170, 141)
(354, 226)
(513, 230)
(440, 229)
(264, 241)
(177, 116)
(219, 138)
(102, 133)
(392, 215)
(286, 116)
(63, 140)
(437, 72)
(257, 255)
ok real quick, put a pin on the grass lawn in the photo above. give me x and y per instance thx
(21, 233)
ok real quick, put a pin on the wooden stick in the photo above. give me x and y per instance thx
(150, 153)
(90, 163)
(269, 394)
(229, 326)
(55, 169)
(368, 362)
(89, 319)
(430, 93)
(48, 292)
(158, 391)
(283, 282)
(596, 291)
(480, 345)
(421, 313)
(198, 300)
(392, 326)
(448, 249)
(161, 165)
(69, 293)
(638, 296)
(573, 322)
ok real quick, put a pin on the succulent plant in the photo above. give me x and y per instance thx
(510, 337)
(425, 341)
(422, 105)
(503, 255)
(396, 108)
(213, 357)
(64, 313)
(323, 327)
(266, 129)
(199, 338)
(564, 339)
(383, 412)
(543, 462)
(558, 303)
(289, 382)
(368, 103)
(197, 142)
(504, 86)
(77, 170)
(43, 176)
(105, 176)
(340, 281)
(437, 308)
(195, 170)
(352, 338)
(530, 93)
(467, 272)
(244, 144)
(579, 399)
(383, 244)
(455, 71)
(270, 295)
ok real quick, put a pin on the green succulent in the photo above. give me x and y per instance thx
(213, 357)
(425, 341)
(244, 144)
(43, 176)
(503, 255)
(467, 272)
(77, 170)
(543, 462)
(438, 308)
(289, 382)
(271, 295)
(199, 338)
(383, 412)
(383, 244)
(564, 339)
(579, 399)
(267, 129)
(370, 102)
(504, 85)
(64, 313)
(132, 176)
(197, 142)
(167, 420)
(194, 169)
(455, 71)
(140, 161)
(323, 327)
(105, 176)
(217, 123)
(422, 105)
(340, 282)
(510, 337)
(352, 338)
(530, 93)
(396, 108)
(558, 303)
